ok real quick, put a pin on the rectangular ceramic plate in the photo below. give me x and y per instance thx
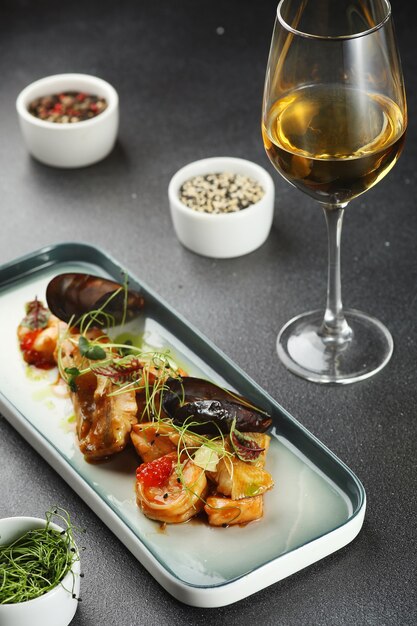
(316, 507)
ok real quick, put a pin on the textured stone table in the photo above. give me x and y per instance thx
(190, 78)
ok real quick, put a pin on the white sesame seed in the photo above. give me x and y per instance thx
(221, 192)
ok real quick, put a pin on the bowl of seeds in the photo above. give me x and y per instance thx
(39, 570)
(69, 120)
(222, 207)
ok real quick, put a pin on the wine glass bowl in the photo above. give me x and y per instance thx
(333, 125)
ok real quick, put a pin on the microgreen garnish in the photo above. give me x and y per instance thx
(72, 372)
(37, 561)
(125, 369)
(90, 350)
(37, 315)
(244, 445)
(125, 296)
(126, 349)
(100, 317)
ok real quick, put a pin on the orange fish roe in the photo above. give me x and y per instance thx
(155, 473)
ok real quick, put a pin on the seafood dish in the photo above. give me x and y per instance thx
(201, 448)
(66, 411)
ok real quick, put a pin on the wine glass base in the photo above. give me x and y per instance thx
(304, 352)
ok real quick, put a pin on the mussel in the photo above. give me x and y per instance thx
(69, 296)
(208, 408)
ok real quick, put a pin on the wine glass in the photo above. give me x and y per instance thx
(333, 125)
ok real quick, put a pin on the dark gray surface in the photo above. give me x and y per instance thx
(188, 92)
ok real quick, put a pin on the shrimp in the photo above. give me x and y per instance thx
(39, 344)
(226, 512)
(151, 440)
(164, 496)
(239, 479)
(155, 439)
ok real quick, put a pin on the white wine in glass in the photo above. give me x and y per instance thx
(333, 124)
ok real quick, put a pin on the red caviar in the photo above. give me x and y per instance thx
(31, 356)
(155, 473)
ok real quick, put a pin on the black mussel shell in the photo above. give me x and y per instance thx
(72, 295)
(210, 408)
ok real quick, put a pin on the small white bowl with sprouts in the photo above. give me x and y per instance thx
(50, 602)
(222, 207)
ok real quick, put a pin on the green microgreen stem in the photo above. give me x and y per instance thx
(216, 444)
(99, 316)
(37, 561)
(125, 296)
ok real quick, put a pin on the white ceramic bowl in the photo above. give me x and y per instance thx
(56, 607)
(222, 235)
(69, 145)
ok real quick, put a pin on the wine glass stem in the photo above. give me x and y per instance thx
(335, 329)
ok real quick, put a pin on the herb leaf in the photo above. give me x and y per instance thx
(37, 315)
(72, 372)
(126, 369)
(245, 446)
(72, 384)
(91, 351)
